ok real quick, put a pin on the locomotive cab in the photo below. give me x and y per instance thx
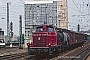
(43, 39)
(44, 36)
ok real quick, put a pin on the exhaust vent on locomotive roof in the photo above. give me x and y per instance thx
(59, 29)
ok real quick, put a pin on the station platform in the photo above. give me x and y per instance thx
(88, 58)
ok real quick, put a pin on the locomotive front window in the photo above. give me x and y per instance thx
(50, 29)
(40, 29)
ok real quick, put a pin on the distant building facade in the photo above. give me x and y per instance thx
(51, 12)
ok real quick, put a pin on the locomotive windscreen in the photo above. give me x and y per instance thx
(48, 29)
(40, 29)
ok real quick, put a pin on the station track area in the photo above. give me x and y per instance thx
(8, 51)
(3, 48)
(88, 57)
(19, 56)
(80, 53)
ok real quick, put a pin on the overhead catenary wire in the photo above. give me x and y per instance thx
(78, 8)
(73, 9)
(79, 11)
(12, 13)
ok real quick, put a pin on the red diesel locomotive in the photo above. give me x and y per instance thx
(49, 39)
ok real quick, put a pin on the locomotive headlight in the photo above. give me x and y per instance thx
(49, 44)
(38, 38)
(28, 44)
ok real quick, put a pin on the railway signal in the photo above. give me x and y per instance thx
(11, 34)
(11, 26)
(78, 27)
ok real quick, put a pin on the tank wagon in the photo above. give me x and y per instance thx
(49, 39)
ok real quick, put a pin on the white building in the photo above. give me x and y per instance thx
(52, 12)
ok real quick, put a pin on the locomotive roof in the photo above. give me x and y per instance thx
(65, 30)
(46, 25)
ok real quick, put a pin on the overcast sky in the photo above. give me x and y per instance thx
(16, 8)
(78, 13)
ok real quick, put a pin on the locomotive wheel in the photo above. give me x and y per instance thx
(62, 49)
(59, 50)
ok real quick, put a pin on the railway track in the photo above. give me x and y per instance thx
(14, 56)
(10, 53)
(80, 53)
(7, 48)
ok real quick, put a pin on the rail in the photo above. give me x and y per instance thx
(14, 56)
(82, 55)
